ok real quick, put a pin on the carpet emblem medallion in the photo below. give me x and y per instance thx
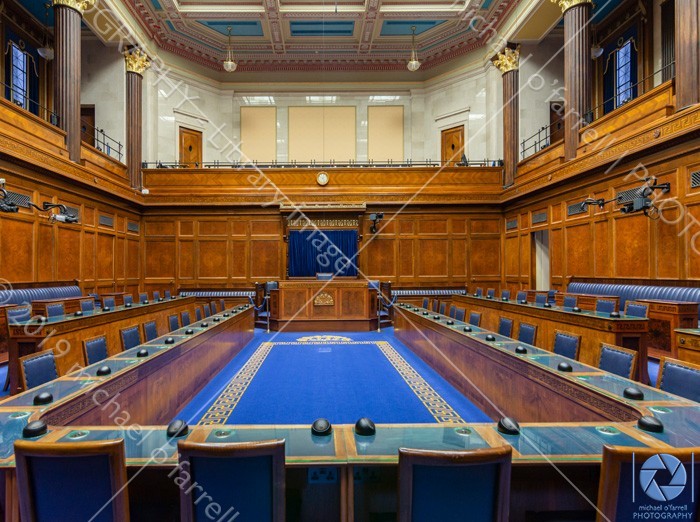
(323, 339)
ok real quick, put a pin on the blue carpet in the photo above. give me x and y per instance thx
(298, 382)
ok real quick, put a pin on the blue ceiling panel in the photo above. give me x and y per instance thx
(321, 28)
(238, 27)
(403, 27)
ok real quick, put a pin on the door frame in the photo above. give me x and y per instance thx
(186, 126)
(463, 127)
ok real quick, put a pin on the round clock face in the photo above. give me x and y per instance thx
(322, 178)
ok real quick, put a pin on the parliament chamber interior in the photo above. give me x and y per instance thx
(350, 261)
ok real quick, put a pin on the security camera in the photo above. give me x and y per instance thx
(65, 218)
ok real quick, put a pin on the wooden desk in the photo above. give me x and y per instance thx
(665, 317)
(70, 304)
(323, 306)
(688, 347)
(629, 332)
(67, 334)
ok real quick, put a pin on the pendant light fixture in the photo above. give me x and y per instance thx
(413, 64)
(229, 64)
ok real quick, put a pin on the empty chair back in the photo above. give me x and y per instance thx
(505, 294)
(460, 313)
(475, 318)
(436, 305)
(490, 293)
(207, 310)
(197, 314)
(222, 304)
(605, 306)
(617, 360)
(666, 478)
(185, 316)
(570, 301)
(437, 485)
(527, 333)
(128, 299)
(55, 310)
(143, 297)
(479, 292)
(244, 477)
(87, 305)
(521, 296)
(453, 311)
(167, 294)
(130, 337)
(636, 309)
(173, 323)
(426, 302)
(566, 344)
(108, 302)
(540, 299)
(213, 308)
(156, 295)
(72, 481)
(679, 377)
(37, 369)
(150, 330)
(19, 314)
(442, 308)
(95, 349)
(505, 326)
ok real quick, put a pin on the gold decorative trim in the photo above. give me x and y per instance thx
(321, 223)
(79, 5)
(136, 61)
(508, 60)
(324, 299)
(568, 4)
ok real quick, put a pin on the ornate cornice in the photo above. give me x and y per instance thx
(568, 4)
(79, 5)
(136, 61)
(507, 60)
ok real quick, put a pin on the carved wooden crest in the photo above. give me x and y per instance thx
(324, 299)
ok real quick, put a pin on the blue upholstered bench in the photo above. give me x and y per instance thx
(27, 295)
(632, 292)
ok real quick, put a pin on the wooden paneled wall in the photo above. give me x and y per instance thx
(100, 252)
(608, 243)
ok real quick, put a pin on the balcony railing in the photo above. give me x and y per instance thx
(22, 100)
(325, 165)
(540, 140)
(102, 141)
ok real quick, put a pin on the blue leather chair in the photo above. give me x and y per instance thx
(527, 333)
(453, 311)
(636, 309)
(566, 344)
(87, 305)
(37, 369)
(570, 301)
(128, 299)
(156, 295)
(108, 302)
(150, 330)
(213, 308)
(437, 485)
(167, 294)
(475, 318)
(207, 310)
(617, 360)
(436, 305)
(173, 323)
(143, 297)
(605, 306)
(95, 349)
(479, 292)
(491, 293)
(521, 296)
(459, 314)
(197, 314)
(55, 310)
(540, 299)
(72, 481)
(130, 337)
(249, 476)
(185, 316)
(222, 303)
(505, 326)
(680, 378)
(426, 302)
(505, 294)
(19, 314)
(443, 306)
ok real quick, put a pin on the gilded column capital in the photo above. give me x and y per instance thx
(79, 5)
(568, 4)
(136, 61)
(507, 60)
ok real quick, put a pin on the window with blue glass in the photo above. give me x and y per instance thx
(21, 72)
(620, 71)
(623, 74)
(19, 85)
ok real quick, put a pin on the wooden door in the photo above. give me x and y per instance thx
(556, 121)
(452, 145)
(190, 147)
(87, 124)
